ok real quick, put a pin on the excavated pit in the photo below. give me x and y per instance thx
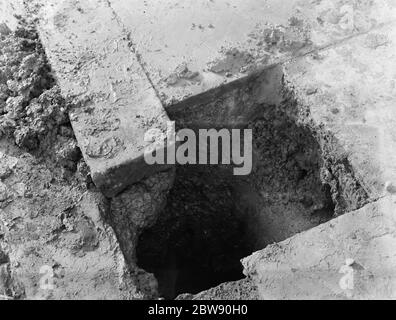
(212, 218)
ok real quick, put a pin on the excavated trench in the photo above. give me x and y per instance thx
(213, 218)
(300, 178)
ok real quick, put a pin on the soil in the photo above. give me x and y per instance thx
(188, 228)
(51, 215)
(213, 219)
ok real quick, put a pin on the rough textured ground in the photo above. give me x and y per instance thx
(29, 111)
(238, 290)
(314, 78)
(95, 65)
(356, 248)
(54, 241)
(220, 41)
(366, 237)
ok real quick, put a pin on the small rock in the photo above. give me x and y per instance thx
(7, 164)
(67, 152)
(73, 117)
(349, 261)
(311, 91)
(172, 79)
(390, 187)
(28, 194)
(25, 137)
(4, 195)
(3, 257)
(83, 173)
(14, 106)
(4, 30)
(20, 189)
(66, 131)
(5, 171)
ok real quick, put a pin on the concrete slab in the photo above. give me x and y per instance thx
(350, 90)
(91, 55)
(351, 257)
(192, 46)
(188, 51)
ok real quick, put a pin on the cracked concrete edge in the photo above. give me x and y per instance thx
(131, 212)
(115, 172)
(244, 289)
(259, 34)
(115, 103)
(366, 237)
(356, 132)
(349, 91)
(363, 129)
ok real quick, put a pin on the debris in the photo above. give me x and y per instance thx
(4, 30)
(31, 109)
(311, 91)
(390, 187)
(20, 189)
(4, 192)
(182, 74)
(5, 171)
(233, 61)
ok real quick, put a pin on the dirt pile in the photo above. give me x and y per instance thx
(31, 107)
(51, 216)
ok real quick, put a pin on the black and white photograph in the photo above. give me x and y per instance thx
(197, 155)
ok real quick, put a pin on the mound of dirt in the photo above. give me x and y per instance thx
(31, 107)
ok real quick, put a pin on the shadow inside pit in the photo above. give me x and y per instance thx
(199, 239)
(213, 219)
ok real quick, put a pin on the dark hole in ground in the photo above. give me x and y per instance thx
(213, 219)
(199, 239)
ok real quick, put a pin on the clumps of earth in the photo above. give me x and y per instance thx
(234, 61)
(265, 43)
(182, 75)
(50, 212)
(33, 113)
(291, 38)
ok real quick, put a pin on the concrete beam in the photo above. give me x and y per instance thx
(194, 50)
(91, 55)
(190, 47)
(351, 257)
